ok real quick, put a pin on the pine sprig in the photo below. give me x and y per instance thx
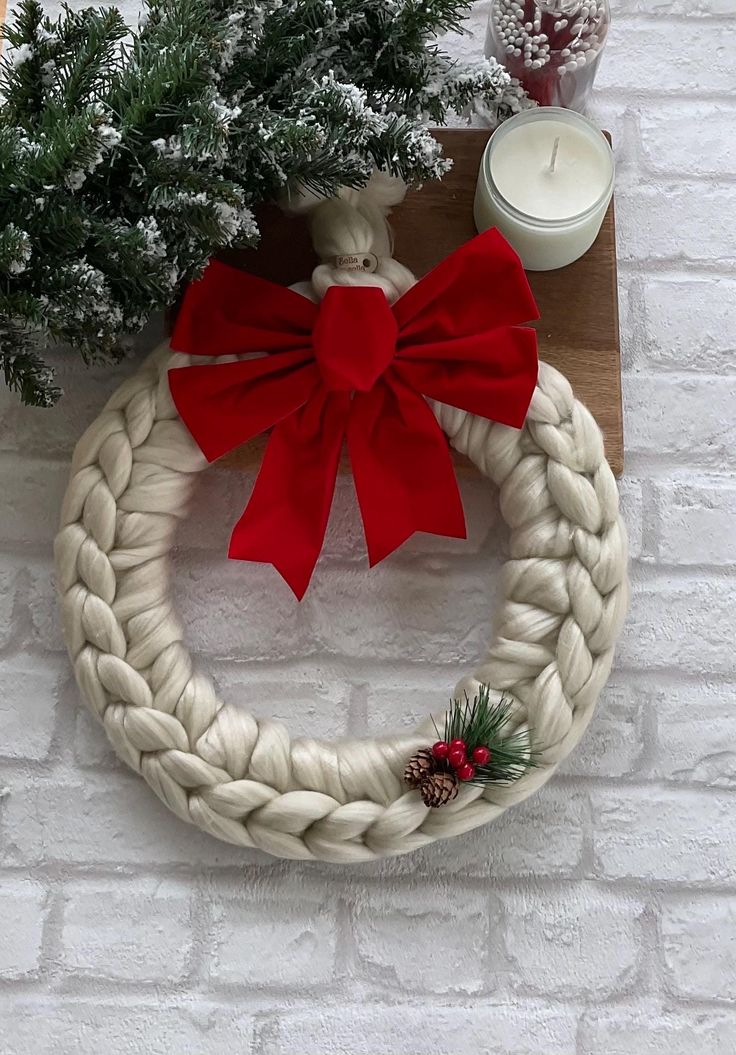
(23, 369)
(480, 723)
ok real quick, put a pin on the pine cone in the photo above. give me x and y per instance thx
(417, 768)
(438, 788)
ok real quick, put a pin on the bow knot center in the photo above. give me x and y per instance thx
(354, 337)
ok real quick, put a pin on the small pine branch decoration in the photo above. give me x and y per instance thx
(479, 724)
(474, 747)
(128, 157)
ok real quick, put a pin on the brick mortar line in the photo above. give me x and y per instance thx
(416, 1002)
(382, 664)
(133, 995)
(353, 881)
(656, 267)
(642, 96)
(704, 179)
(130, 992)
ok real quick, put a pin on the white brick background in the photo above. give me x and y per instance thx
(596, 919)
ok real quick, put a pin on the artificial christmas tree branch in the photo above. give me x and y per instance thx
(127, 158)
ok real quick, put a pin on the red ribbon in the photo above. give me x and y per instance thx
(353, 368)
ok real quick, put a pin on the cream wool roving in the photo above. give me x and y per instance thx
(243, 779)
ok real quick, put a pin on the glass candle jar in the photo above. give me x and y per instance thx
(553, 47)
(545, 181)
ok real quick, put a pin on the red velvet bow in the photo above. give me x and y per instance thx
(353, 368)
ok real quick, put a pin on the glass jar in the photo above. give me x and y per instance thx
(553, 47)
(545, 181)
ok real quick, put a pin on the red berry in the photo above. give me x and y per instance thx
(456, 757)
(465, 771)
(481, 755)
(441, 749)
(458, 744)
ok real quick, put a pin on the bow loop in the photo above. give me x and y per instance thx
(229, 312)
(354, 337)
(480, 287)
(355, 369)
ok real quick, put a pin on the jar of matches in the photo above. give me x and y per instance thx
(553, 47)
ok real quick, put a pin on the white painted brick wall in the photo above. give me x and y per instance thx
(595, 919)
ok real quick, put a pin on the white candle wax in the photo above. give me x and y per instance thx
(522, 171)
(545, 181)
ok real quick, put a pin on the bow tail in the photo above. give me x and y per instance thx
(285, 521)
(402, 468)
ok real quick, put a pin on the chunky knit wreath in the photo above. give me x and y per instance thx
(243, 779)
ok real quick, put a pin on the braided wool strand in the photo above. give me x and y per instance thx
(243, 779)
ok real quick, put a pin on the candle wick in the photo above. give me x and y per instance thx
(553, 160)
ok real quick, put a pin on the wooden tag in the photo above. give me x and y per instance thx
(356, 262)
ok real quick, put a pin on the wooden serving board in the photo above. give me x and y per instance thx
(578, 329)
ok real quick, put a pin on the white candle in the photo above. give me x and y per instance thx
(545, 180)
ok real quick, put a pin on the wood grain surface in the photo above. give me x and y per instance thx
(578, 329)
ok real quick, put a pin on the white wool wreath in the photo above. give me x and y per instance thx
(244, 779)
